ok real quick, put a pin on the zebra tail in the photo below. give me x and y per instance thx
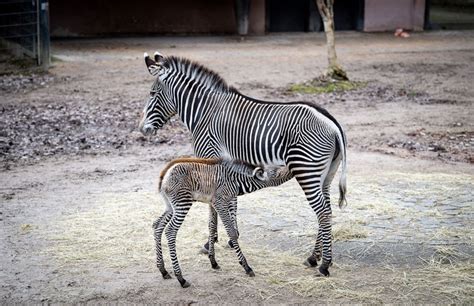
(342, 179)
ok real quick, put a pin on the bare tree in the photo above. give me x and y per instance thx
(326, 11)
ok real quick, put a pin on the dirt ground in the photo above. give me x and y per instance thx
(78, 181)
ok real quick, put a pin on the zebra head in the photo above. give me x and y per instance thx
(159, 107)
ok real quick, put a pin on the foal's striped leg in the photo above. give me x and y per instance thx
(222, 208)
(212, 238)
(180, 211)
(233, 215)
(158, 228)
(212, 228)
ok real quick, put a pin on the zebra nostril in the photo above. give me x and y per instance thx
(147, 130)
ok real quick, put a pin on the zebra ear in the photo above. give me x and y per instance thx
(153, 67)
(158, 56)
(260, 174)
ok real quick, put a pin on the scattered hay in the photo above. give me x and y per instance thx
(115, 233)
(26, 228)
(448, 282)
(350, 230)
(446, 233)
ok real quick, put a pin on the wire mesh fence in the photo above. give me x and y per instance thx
(24, 29)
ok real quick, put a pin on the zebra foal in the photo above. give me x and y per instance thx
(214, 181)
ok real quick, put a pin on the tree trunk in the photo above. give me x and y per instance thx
(326, 11)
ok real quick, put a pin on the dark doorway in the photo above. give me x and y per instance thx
(287, 15)
(349, 15)
(303, 15)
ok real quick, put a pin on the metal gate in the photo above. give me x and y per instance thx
(24, 29)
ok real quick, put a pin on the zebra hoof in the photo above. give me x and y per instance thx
(205, 248)
(216, 267)
(185, 284)
(311, 262)
(166, 275)
(251, 273)
(323, 270)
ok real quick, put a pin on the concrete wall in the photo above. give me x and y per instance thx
(101, 17)
(387, 15)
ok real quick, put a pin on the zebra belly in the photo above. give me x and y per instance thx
(202, 197)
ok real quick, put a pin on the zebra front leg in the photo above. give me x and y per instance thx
(212, 238)
(158, 228)
(171, 232)
(233, 233)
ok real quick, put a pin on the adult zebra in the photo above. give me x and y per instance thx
(224, 123)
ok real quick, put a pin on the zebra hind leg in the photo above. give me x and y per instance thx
(212, 220)
(171, 233)
(312, 261)
(311, 185)
(158, 228)
(233, 215)
(212, 238)
(233, 233)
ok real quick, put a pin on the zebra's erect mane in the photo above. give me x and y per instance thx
(198, 73)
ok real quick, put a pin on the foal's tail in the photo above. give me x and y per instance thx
(342, 180)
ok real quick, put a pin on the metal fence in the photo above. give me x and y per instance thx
(24, 29)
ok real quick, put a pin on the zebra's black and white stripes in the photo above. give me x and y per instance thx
(224, 123)
(212, 181)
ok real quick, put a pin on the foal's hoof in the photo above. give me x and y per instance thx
(311, 262)
(216, 267)
(323, 270)
(166, 275)
(205, 248)
(251, 273)
(185, 284)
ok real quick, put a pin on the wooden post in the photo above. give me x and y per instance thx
(242, 8)
(44, 54)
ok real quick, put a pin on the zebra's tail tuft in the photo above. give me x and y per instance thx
(342, 190)
(342, 179)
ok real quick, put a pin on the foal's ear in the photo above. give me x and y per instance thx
(153, 66)
(260, 174)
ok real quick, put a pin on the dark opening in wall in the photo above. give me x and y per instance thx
(303, 15)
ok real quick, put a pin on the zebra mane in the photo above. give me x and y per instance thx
(197, 72)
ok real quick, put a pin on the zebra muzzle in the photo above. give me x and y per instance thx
(148, 130)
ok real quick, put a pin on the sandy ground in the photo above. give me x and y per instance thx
(78, 182)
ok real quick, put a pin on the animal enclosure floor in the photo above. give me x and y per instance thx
(78, 182)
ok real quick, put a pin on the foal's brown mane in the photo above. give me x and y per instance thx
(204, 161)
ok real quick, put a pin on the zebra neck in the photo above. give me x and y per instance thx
(195, 103)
